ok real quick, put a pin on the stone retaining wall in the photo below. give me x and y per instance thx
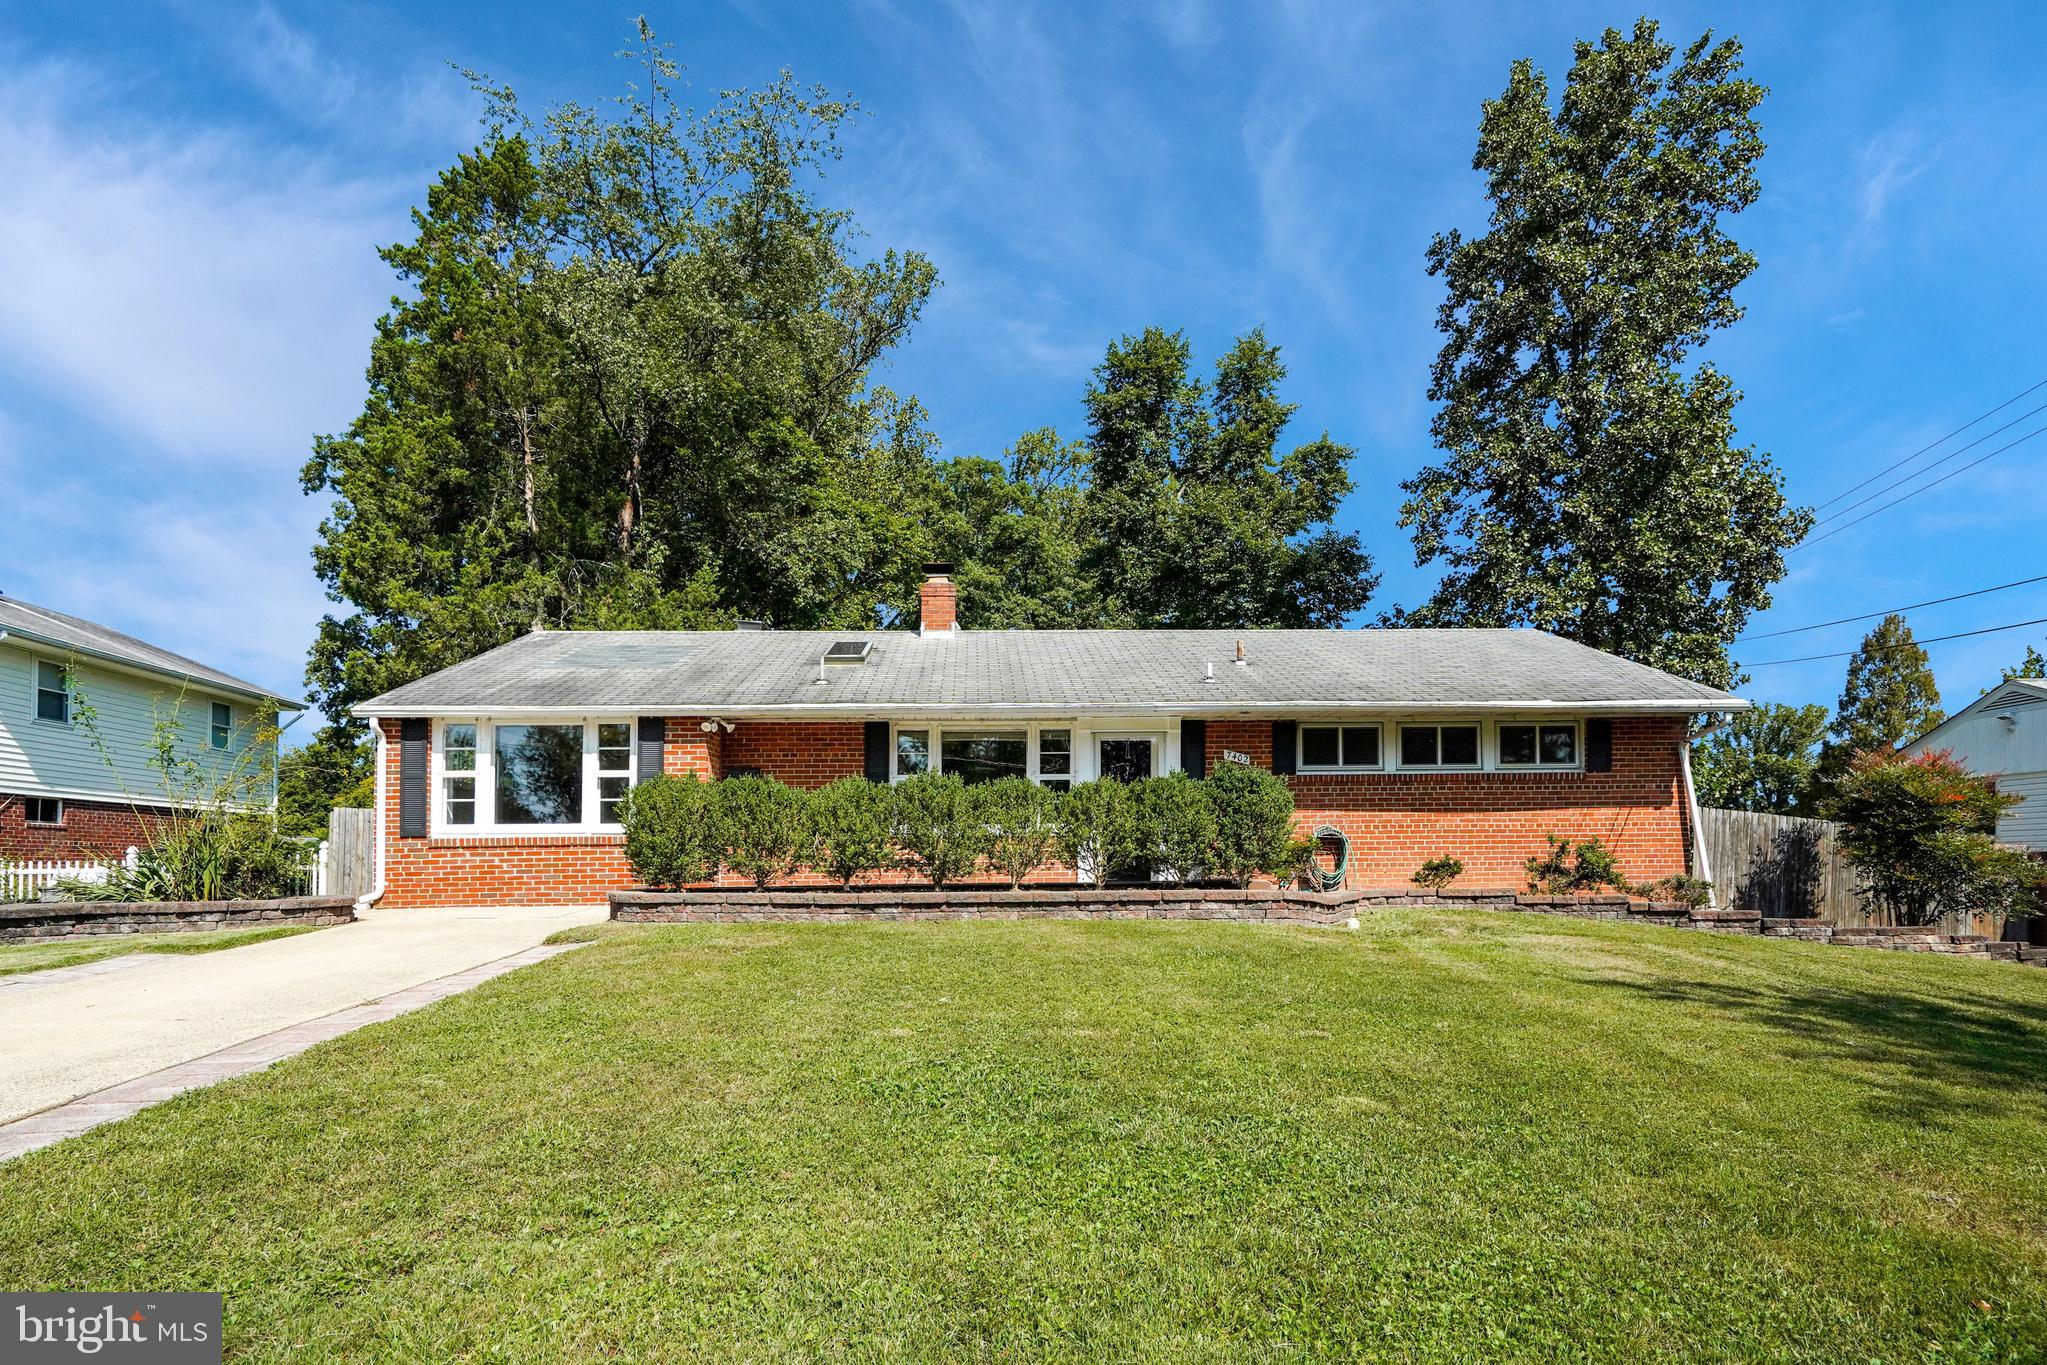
(38, 920)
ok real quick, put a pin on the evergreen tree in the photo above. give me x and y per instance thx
(1591, 484)
(1889, 698)
(1762, 759)
(2032, 666)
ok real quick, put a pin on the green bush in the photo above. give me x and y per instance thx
(1096, 831)
(1254, 822)
(938, 826)
(1176, 827)
(1587, 866)
(1681, 887)
(851, 828)
(1437, 873)
(1298, 865)
(763, 827)
(205, 855)
(1021, 818)
(1919, 830)
(671, 837)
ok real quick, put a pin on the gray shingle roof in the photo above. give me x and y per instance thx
(26, 621)
(1046, 671)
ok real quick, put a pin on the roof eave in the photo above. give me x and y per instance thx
(378, 709)
(150, 670)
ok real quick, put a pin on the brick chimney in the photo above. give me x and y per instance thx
(938, 602)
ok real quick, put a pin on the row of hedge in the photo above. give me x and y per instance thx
(1227, 828)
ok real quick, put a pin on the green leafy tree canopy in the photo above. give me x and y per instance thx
(1762, 759)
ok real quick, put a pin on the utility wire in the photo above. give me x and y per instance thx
(1923, 449)
(1872, 615)
(1886, 649)
(1923, 488)
(1928, 469)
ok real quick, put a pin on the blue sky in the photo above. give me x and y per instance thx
(194, 193)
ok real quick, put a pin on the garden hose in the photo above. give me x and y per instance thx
(1333, 878)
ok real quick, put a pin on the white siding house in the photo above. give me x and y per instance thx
(2003, 733)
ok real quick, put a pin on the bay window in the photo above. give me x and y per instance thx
(983, 753)
(458, 768)
(532, 776)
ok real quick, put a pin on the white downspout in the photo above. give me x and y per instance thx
(376, 891)
(1702, 865)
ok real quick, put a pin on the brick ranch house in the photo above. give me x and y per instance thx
(499, 778)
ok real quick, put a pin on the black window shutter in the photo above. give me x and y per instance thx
(1283, 746)
(877, 750)
(1194, 747)
(412, 746)
(653, 736)
(1599, 745)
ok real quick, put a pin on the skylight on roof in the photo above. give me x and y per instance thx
(849, 652)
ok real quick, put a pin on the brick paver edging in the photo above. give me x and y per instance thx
(33, 921)
(120, 1101)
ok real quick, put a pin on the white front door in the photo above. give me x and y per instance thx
(1129, 755)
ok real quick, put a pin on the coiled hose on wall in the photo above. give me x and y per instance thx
(1333, 878)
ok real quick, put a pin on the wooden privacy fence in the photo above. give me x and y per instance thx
(346, 858)
(1785, 866)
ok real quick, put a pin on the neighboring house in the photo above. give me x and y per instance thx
(62, 679)
(2003, 734)
(498, 779)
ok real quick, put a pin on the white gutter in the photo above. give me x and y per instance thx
(1702, 864)
(1281, 710)
(376, 891)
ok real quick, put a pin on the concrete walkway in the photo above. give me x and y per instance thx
(95, 1031)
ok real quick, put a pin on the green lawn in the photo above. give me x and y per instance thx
(1445, 1136)
(16, 958)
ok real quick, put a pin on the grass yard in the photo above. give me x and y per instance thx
(1445, 1136)
(16, 958)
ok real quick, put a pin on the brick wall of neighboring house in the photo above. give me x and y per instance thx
(90, 830)
(1395, 821)
(1494, 821)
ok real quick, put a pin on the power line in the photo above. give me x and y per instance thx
(1923, 449)
(1872, 615)
(1952, 454)
(1923, 488)
(1886, 649)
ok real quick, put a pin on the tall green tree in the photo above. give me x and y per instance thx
(1762, 759)
(2034, 665)
(627, 384)
(1591, 484)
(1889, 697)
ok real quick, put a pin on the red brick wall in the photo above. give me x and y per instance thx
(1493, 821)
(1395, 821)
(91, 829)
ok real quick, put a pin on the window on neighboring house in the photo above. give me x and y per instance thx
(458, 774)
(1439, 746)
(1549, 745)
(1338, 748)
(539, 774)
(614, 768)
(42, 810)
(1055, 759)
(53, 693)
(223, 725)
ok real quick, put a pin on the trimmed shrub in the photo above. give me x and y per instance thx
(1021, 818)
(1920, 831)
(1254, 822)
(1297, 864)
(1571, 867)
(938, 826)
(851, 828)
(1096, 830)
(763, 827)
(1437, 873)
(1176, 828)
(1681, 887)
(670, 836)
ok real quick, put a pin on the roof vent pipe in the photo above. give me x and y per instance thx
(1241, 660)
(1210, 677)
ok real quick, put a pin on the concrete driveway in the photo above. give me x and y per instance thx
(82, 1034)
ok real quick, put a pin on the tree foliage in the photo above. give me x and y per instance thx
(627, 384)
(1762, 759)
(1591, 484)
(1889, 697)
(331, 770)
(1920, 831)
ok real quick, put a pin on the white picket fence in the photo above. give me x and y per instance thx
(25, 881)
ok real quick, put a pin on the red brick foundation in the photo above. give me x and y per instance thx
(1395, 821)
(91, 829)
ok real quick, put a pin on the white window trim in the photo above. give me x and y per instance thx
(1577, 764)
(228, 739)
(1301, 764)
(56, 801)
(485, 773)
(934, 732)
(36, 690)
(1402, 766)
